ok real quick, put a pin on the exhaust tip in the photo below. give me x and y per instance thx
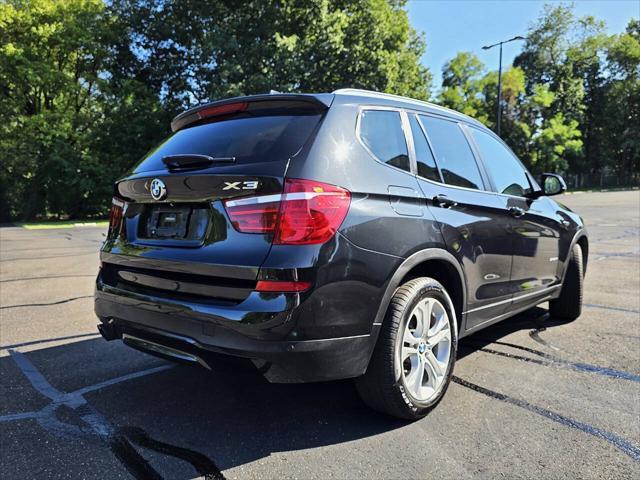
(108, 330)
(163, 350)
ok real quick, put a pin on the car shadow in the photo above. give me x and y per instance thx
(535, 320)
(227, 417)
(220, 419)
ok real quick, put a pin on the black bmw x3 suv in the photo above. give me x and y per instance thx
(329, 236)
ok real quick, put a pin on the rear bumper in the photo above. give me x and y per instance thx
(255, 329)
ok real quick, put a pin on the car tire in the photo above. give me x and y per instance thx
(568, 306)
(409, 373)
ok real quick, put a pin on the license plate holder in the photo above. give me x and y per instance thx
(168, 222)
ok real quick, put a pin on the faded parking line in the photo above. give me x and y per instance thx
(95, 424)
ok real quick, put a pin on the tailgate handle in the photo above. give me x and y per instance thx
(193, 161)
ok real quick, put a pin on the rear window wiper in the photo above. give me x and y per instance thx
(193, 161)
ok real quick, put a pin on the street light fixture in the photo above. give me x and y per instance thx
(499, 99)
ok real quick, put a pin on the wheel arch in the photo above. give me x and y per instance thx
(580, 238)
(583, 241)
(438, 264)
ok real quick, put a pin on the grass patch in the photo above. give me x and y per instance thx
(51, 224)
(603, 189)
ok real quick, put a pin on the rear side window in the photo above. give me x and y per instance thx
(247, 137)
(381, 131)
(505, 170)
(453, 153)
(426, 163)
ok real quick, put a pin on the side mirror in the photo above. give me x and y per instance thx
(553, 184)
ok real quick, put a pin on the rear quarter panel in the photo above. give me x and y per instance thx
(378, 191)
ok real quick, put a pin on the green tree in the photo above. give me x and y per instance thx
(87, 86)
(550, 58)
(594, 81)
(553, 142)
(545, 59)
(192, 51)
(622, 103)
(50, 62)
(515, 128)
(462, 86)
(541, 138)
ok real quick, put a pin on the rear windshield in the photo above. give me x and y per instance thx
(246, 137)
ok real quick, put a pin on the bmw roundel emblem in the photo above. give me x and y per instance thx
(158, 189)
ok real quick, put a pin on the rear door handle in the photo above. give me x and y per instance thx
(444, 201)
(516, 212)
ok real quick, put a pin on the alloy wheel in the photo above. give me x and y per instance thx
(425, 349)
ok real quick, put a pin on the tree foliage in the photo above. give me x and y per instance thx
(87, 86)
(571, 101)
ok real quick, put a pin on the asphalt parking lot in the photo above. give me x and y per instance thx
(531, 397)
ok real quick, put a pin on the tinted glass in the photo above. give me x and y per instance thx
(456, 162)
(381, 131)
(505, 170)
(426, 163)
(247, 138)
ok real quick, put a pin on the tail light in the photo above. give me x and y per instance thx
(222, 110)
(255, 214)
(115, 215)
(307, 212)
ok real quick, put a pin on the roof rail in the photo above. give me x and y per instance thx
(391, 96)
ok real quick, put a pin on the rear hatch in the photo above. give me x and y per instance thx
(175, 232)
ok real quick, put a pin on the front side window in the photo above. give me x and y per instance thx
(381, 131)
(453, 153)
(506, 171)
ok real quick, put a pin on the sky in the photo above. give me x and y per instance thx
(451, 26)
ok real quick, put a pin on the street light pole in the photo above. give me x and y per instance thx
(498, 95)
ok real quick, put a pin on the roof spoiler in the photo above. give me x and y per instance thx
(237, 104)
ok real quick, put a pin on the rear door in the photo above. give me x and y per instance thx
(470, 217)
(175, 216)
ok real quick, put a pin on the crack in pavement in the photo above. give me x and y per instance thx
(48, 340)
(38, 249)
(95, 424)
(66, 300)
(535, 335)
(552, 361)
(93, 252)
(614, 309)
(620, 443)
(24, 279)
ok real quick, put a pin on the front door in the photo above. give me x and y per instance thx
(534, 226)
(536, 246)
